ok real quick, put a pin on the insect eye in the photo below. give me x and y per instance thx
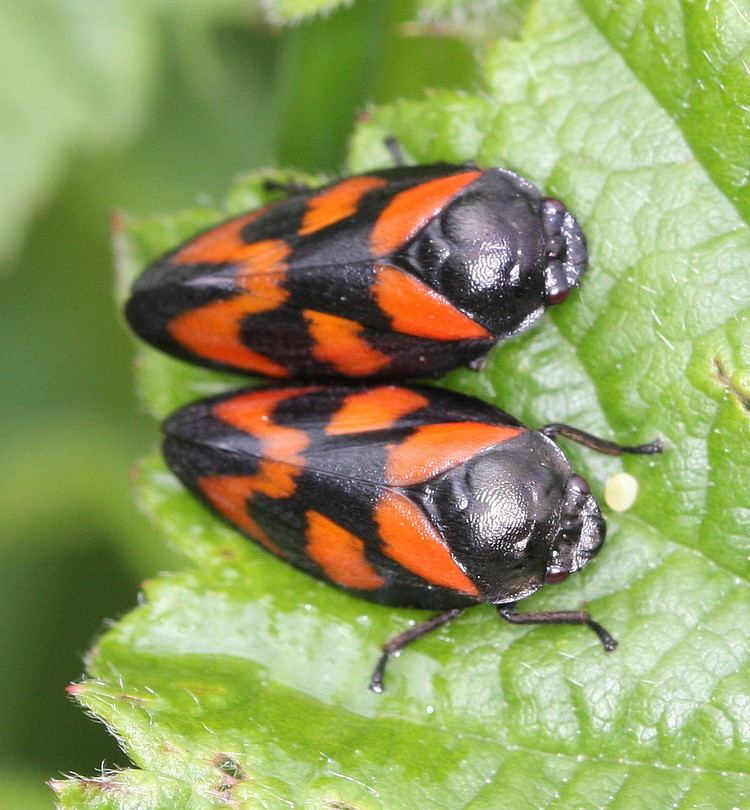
(556, 297)
(553, 214)
(580, 484)
(556, 286)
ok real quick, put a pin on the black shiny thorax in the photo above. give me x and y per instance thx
(486, 252)
(500, 512)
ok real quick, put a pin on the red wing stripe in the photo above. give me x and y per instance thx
(337, 342)
(413, 542)
(253, 414)
(213, 332)
(337, 203)
(376, 409)
(433, 449)
(340, 554)
(221, 244)
(416, 309)
(412, 209)
(230, 495)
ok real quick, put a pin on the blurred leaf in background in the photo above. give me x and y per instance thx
(145, 106)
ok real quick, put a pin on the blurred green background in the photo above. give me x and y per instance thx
(148, 107)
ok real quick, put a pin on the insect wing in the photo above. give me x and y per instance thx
(304, 286)
(322, 477)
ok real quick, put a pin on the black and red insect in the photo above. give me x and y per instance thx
(405, 495)
(404, 272)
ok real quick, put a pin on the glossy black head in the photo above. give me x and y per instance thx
(581, 532)
(516, 516)
(566, 251)
(501, 252)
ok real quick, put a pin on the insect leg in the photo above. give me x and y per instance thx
(393, 145)
(289, 188)
(602, 445)
(478, 363)
(397, 643)
(508, 612)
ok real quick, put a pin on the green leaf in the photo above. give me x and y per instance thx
(694, 60)
(470, 19)
(242, 682)
(61, 86)
(77, 77)
(24, 790)
(329, 71)
(291, 11)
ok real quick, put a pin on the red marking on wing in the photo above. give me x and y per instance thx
(376, 409)
(253, 413)
(412, 209)
(231, 496)
(337, 203)
(340, 554)
(280, 465)
(261, 258)
(433, 449)
(411, 540)
(221, 244)
(338, 343)
(416, 309)
(214, 332)
(276, 478)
